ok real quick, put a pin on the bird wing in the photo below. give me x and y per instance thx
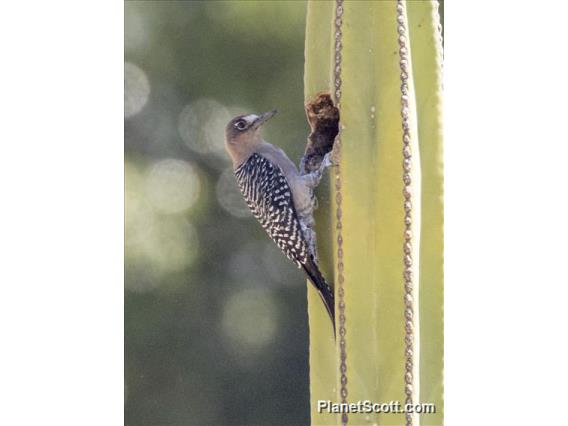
(269, 197)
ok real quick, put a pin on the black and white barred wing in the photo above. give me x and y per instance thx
(268, 195)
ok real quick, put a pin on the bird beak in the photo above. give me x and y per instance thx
(263, 118)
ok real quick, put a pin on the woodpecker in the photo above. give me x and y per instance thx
(279, 196)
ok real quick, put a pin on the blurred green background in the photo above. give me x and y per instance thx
(215, 316)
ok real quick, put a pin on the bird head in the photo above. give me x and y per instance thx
(242, 135)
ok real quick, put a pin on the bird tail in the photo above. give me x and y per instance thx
(324, 289)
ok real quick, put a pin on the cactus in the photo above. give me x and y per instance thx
(373, 211)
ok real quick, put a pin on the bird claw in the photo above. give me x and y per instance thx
(328, 160)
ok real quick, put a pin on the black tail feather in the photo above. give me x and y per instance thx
(324, 289)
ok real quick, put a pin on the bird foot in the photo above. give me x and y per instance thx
(329, 160)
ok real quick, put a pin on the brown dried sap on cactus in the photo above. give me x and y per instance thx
(323, 118)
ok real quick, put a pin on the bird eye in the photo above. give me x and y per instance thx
(241, 125)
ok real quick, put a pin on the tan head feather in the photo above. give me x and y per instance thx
(242, 136)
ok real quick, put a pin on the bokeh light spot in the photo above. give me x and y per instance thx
(172, 186)
(250, 320)
(173, 245)
(202, 126)
(155, 244)
(229, 197)
(135, 28)
(136, 89)
(139, 214)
